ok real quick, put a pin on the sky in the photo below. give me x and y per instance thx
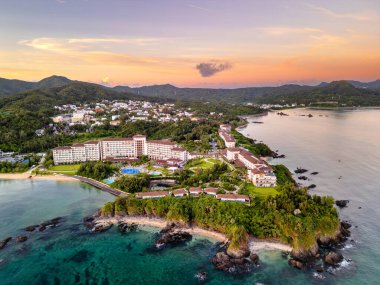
(191, 43)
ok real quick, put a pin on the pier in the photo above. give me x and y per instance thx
(100, 185)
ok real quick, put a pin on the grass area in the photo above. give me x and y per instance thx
(68, 169)
(205, 163)
(261, 192)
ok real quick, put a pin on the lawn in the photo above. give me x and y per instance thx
(261, 192)
(205, 163)
(68, 169)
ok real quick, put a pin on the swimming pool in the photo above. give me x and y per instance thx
(129, 170)
(109, 180)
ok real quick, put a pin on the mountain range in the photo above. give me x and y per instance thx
(352, 92)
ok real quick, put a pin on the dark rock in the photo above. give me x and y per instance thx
(52, 223)
(346, 225)
(100, 228)
(319, 268)
(295, 263)
(255, 258)
(174, 237)
(314, 173)
(305, 256)
(222, 261)
(21, 238)
(333, 258)
(359, 207)
(42, 228)
(303, 178)
(201, 276)
(300, 170)
(341, 203)
(312, 186)
(124, 227)
(4, 242)
(169, 227)
(31, 228)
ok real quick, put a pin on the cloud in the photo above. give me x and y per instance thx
(362, 16)
(279, 31)
(61, 45)
(208, 69)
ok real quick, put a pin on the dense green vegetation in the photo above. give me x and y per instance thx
(96, 170)
(133, 183)
(283, 175)
(258, 149)
(272, 217)
(8, 167)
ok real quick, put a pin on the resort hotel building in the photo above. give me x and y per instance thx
(260, 173)
(120, 149)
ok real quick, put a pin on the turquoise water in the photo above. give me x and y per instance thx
(69, 254)
(109, 180)
(130, 170)
(344, 144)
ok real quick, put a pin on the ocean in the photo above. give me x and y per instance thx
(343, 146)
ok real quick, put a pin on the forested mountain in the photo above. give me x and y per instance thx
(342, 92)
(337, 93)
(13, 86)
(352, 92)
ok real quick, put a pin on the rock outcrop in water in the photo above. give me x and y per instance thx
(341, 203)
(235, 261)
(333, 258)
(125, 227)
(300, 170)
(4, 242)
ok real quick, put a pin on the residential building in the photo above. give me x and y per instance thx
(152, 195)
(233, 198)
(195, 191)
(179, 192)
(211, 191)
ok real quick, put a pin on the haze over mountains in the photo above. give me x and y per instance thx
(355, 92)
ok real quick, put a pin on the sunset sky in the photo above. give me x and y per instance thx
(195, 43)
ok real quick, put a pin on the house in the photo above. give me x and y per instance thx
(233, 198)
(211, 191)
(152, 195)
(195, 191)
(180, 192)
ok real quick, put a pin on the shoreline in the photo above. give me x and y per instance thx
(25, 175)
(255, 245)
(161, 223)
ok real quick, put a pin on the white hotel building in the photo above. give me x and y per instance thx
(258, 171)
(119, 149)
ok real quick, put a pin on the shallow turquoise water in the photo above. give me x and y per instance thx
(69, 254)
(343, 144)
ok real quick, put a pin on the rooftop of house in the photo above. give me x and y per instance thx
(233, 197)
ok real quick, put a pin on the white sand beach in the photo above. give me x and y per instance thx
(26, 175)
(161, 223)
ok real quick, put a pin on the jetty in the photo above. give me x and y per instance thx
(102, 186)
